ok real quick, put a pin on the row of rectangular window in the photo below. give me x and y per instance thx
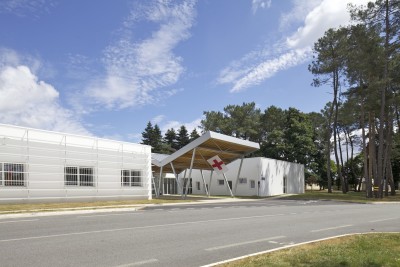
(13, 174)
(241, 181)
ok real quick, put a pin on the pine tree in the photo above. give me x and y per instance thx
(194, 135)
(182, 137)
(156, 139)
(170, 138)
(147, 134)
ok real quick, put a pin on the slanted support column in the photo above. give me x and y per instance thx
(190, 171)
(226, 181)
(176, 176)
(238, 175)
(209, 188)
(159, 182)
(183, 185)
(204, 182)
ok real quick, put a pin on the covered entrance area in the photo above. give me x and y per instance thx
(195, 155)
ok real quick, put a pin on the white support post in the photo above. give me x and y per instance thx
(209, 188)
(158, 191)
(204, 182)
(183, 185)
(226, 181)
(238, 175)
(176, 176)
(190, 171)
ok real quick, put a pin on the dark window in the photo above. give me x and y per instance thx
(13, 174)
(79, 176)
(131, 178)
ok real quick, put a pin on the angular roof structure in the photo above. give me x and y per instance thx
(195, 154)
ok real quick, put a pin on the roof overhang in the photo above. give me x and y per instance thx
(206, 146)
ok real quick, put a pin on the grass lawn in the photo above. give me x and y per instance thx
(338, 195)
(380, 249)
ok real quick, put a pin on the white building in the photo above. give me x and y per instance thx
(188, 170)
(258, 177)
(42, 165)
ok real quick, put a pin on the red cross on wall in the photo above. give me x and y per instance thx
(217, 164)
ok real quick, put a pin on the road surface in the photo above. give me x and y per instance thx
(183, 235)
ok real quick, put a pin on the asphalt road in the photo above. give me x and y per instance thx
(183, 235)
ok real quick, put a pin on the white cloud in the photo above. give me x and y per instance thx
(257, 66)
(298, 12)
(328, 14)
(176, 125)
(268, 68)
(257, 4)
(157, 119)
(136, 70)
(23, 8)
(27, 101)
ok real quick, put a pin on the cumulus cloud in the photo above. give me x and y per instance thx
(27, 101)
(328, 14)
(257, 4)
(137, 69)
(294, 49)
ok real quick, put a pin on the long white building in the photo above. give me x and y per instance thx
(37, 165)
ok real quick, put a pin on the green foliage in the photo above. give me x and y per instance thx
(194, 135)
(182, 138)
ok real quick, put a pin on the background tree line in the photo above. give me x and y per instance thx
(172, 140)
(360, 126)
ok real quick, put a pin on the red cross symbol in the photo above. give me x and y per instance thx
(217, 164)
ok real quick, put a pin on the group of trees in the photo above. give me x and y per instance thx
(360, 126)
(289, 135)
(172, 140)
(361, 63)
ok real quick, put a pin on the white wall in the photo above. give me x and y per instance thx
(46, 154)
(267, 176)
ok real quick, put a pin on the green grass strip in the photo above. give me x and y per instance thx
(377, 249)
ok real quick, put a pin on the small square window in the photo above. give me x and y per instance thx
(242, 180)
(221, 182)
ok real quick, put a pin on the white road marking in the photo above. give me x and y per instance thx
(331, 228)
(105, 215)
(19, 221)
(382, 220)
(245, 243)
(138, 263)
(138, 227)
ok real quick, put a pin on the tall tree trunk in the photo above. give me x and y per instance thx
(328, 150)
(370, 151)
(336, 106)
(373, 158)
(351, 142)
(344, 172)
(380, 159)
(328, 160)
(367, 178)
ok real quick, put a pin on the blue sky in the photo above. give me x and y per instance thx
(107, 67)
